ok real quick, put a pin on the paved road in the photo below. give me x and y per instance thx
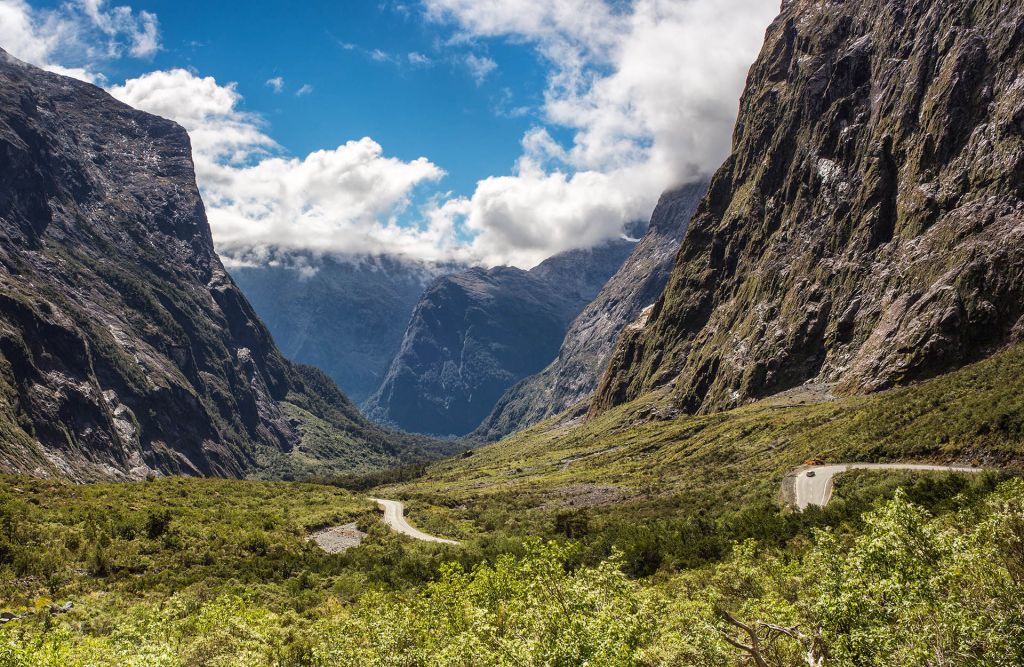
(394, 516)
(816, 489)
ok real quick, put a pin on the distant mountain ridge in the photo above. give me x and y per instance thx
(343, 314)
(588, 344)
(125, 348)
(475, 333)
(868, 228)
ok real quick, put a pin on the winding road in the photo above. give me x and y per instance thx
(813, 485)
(394, 516)
(810, 485)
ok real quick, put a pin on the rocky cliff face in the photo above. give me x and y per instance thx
(344, 315)
(868, 228)
(589, 342)
(124, 345)
(475, 333)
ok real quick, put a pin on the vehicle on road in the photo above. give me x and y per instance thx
(814, 487)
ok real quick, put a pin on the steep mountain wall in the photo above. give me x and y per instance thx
(868, 228)
(124, 346)
(583, 356)
(476, 333)
(344, 315)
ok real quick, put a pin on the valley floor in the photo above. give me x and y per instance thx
(639, 538)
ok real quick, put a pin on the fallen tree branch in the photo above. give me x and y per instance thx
(813, 653)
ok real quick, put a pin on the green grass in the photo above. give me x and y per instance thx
(217, 572)
(677, 492)
(188, 572)
(739, 457)
(152, 538)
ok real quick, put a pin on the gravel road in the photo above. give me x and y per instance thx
(813, 485)
(394, 516)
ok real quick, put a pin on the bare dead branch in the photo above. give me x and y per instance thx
(754, 649)
(811, 645)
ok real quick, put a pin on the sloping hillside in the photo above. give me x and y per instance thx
(646, 459)
(475, 333)
(868, 228)
(574, 373)
(125, 348)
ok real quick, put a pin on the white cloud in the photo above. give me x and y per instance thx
(123, 27)
(220, 131)
(524, 218)
(341, 200)
(588, 24)
(479, 67)
(83, 32)
(344, 200)
(649, 90)
(276, 83)
(418, 59)
(305, 89)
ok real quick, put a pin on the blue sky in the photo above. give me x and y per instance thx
(437, 109)
(484, 131)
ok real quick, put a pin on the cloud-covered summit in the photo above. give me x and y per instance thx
(639, 96)
(648, 90)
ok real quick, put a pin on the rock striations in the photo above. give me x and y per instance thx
(476, 333)
(868, 228)
(125, 348)
(344, 315)
(574, 373)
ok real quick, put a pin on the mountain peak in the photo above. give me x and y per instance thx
(867, 229)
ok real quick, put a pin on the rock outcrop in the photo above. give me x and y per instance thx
(344, 315)
(868, 228)
(476, 333)
(125, 348)
(587, 346)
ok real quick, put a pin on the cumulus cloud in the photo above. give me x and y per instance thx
(82, 32)
(305, 89)
(649, 90)
(524, 218)
(479, 67)
(123, 28)
(221, 132)
(276, 83)
(340, 200)
(646, 91)
(416, 58)
(587, 23)
(261, 203)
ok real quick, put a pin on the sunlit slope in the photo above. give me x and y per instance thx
(975, 415)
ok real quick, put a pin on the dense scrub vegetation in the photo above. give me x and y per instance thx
(660, 543)
(643, 460)
(906, 589)
(193, 572)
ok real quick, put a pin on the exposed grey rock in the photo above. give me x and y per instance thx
(338, 539)
(588, 344)
(61, 608)
(344, 315)
(475, 333)
(125, 347)
(868, 229)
